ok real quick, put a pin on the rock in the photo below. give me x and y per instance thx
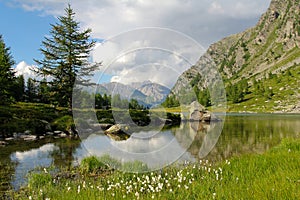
(117, 132)
(196, 116)
(57, 132)
(9, 139)
(117, 128)
(196, 111)
(206, 117)
(62, 135)
(41, 137)
(195, 105)
(210, 117)
(30, 138)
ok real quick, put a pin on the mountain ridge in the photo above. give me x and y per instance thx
(269, 48)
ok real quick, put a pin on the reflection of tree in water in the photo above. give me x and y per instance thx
(63, 154)
(252, 134)
(7, 168)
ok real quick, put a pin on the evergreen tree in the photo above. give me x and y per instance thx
(134, 104)
(171, 101)
(66, 53)
(18, 88)
(31, 91)
(44, 91)
(99, 101)
(7, 77)
(204, 98)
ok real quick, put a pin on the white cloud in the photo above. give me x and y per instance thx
(24, 69)
(205, 21)
(158, 55)
(216, 8)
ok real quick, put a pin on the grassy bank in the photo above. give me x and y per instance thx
(36, 118)
(273, 175)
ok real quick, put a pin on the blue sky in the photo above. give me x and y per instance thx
(25, 23)
(23, 31)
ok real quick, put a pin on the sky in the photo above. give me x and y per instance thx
(25, 23)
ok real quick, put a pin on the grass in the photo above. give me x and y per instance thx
(272, 175)
(285, 87)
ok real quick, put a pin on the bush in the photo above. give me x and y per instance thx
(91, 165)
(64, 123)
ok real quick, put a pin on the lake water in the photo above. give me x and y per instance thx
(240, 134)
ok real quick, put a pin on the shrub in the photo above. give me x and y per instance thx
(91, 165)
(64, 123)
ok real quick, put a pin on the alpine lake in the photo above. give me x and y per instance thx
(216, 141)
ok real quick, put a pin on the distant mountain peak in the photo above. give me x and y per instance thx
(146, 92)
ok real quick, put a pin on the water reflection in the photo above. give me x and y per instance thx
(241, 134)
(28, 160)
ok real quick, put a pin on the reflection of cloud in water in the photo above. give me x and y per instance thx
(34, 153)
(29, 160)
(157, 151)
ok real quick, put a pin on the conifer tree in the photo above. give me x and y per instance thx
(66, 53)
(18, 88)
(7, 75)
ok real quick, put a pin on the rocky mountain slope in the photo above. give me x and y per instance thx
(270, 48)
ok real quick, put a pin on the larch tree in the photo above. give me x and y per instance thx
(66, 57)
(7, 75)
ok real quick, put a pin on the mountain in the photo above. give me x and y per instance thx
(147, 93)
(155, 92)
(268, 51)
